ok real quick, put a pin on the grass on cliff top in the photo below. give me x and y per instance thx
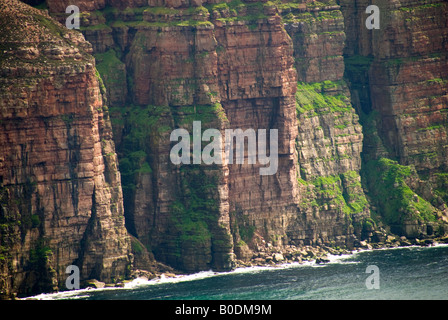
(237, 10)
(396, 201)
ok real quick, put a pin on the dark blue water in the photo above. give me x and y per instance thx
(405, 273)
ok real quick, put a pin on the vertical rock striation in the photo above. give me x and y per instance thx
(361, 119)
(61, 200)
(329, 142)
(399, 79)
(231, 65)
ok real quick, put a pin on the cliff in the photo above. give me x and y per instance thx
(398, 75)
(231, 66)
(61, 199)
(361, 119)
(260, 65)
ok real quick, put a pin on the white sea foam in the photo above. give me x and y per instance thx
(142, 282)
(136, 283)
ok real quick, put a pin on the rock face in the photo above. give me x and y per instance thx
(231, 66)
(361, 119)
(61, 199)
(407, 78)
(398, 75)
(329, 141)
(249, 65)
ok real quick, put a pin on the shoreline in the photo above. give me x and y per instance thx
(272, 255)
(241, 267)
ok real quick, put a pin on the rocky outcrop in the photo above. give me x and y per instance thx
(257, 86)
(360, 116)
(398, 75)
(179, 212)
(61, 199)
(234, 65)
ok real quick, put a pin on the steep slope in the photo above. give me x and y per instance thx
(61, 199)
(398, 75)
(230, 65)
(360, 114)
(329, 141)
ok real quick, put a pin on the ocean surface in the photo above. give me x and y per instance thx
(418, 273)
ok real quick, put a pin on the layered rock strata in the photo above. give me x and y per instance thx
(333, 89)
(398, 75)
(61, 199)
(241, 64)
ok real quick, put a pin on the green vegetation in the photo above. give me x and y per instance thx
(100, 83)
(101, 26)
(204, 113)
(160, 24)
(143, 128)
(194, 17)
(400, 61)
(441, 190)
(109, 67)
(171, 11)
(437, 81)
(40, 253)
(358, 63)
(420, 7)
(291, 14)
(35, 221)
(321, 4)
(50, 25)
(329, 191)
(194, 214)
(245, 229)
(433, 127)
(312, 98)
(240, 11)
(136, 245)
(342, 190)
(394, 198)
(353, 193)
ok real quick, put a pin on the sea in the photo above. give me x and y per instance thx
(403, 273)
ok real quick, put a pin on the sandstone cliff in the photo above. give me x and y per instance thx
(361, 116)
(398, 75)
(61, 199)
(231, 65)
(258, 65)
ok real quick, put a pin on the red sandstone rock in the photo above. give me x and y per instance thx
(61, 191)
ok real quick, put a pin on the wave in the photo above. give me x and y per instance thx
(142, 282)
(131, 285)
